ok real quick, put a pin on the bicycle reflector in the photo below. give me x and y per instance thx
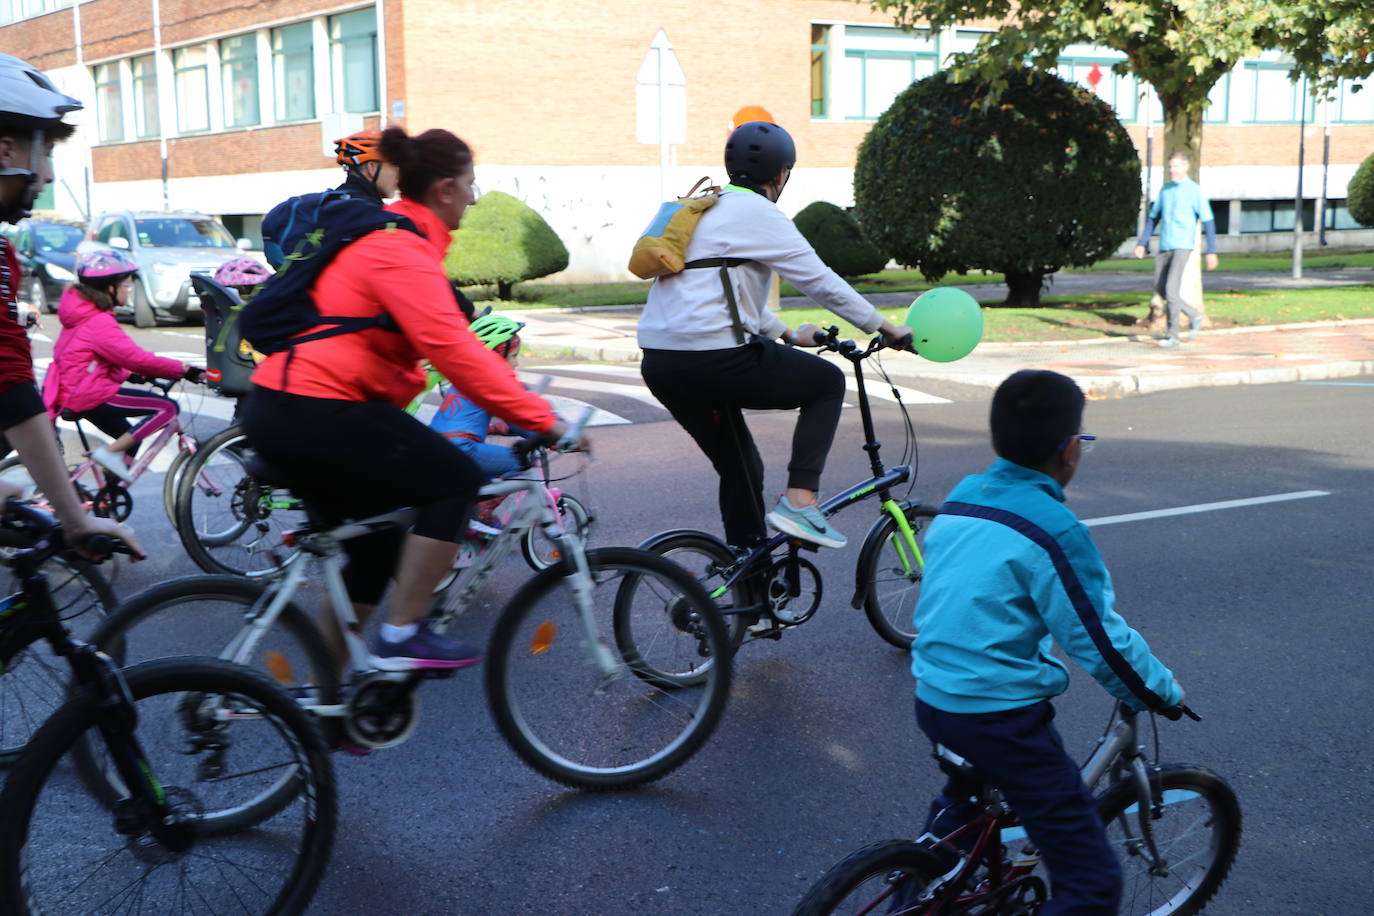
(543, 637)
(946, 324)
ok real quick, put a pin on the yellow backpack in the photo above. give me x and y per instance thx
(661, 249)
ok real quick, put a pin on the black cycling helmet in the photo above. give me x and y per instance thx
(757, 151)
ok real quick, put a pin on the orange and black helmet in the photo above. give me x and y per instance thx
(355, 149)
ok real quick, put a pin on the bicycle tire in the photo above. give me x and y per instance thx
(199, 615)
(231, 530)
(704, 556)
(539, 551)
(563, 716)
(27, 877)
(890, 593)
(34, 682)
(892, 872)
(170, 483)
(1193, 796)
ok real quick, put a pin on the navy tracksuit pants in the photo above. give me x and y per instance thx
(1020, 752)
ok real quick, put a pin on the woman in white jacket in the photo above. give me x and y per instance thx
(711, 345)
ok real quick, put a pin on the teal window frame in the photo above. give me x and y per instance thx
(180, 74)
(1367, 92)
(865, 55)
(820, 104)
(107, 78)
(288, 49)
(238, 63)
(147, 114)
(1252, 70)
(345, 40)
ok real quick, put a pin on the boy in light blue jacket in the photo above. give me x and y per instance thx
(1011, 571)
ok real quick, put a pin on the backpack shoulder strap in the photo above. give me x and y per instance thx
(736, 325)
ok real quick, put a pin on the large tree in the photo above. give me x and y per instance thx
(1181, 48)
(1046, 179)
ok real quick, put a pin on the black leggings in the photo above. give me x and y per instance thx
(706, 392)
(361, 458)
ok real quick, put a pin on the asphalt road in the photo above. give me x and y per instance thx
(1262, 611)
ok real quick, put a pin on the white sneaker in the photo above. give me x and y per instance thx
(112, 462)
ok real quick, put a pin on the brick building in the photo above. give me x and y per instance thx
(230, 109)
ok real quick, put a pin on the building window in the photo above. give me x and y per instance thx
(1218, 109)
(1221, 214)
(238, 58)
(1121, 91)
(820, 60)
(1354, 101)
(293, 67)
(1275, 215)
(353, 52)
(146, 122)
(1273, 96)
(109, 102)
(1337, 216)
(191, 74)
(880, 62)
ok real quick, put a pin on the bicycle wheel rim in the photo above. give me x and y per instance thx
(540, 551)
(884, 878)
(704, 558)
(1197, 834)
(569, 720)
(894, 582)
(206, 615)
(35, 682)
(227, 521)
(65, 851)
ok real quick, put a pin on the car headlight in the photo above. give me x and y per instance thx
(61, 274)
(162, 267)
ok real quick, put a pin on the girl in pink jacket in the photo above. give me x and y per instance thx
(93, 356)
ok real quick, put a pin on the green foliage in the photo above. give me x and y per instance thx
(503, 241)
(839, 240)
(1360, 196)
(1046, 178)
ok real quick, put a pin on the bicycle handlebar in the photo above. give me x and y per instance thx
(829, 339)
(38, 524)
(1174, 713)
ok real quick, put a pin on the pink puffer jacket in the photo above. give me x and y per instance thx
(93, 356)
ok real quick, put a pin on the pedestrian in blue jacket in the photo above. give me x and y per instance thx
(1010, 572)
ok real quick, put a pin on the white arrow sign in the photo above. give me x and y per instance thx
(661, 95)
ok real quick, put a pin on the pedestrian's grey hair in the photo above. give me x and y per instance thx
(1181, 154)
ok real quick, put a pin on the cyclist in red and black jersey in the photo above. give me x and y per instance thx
(31, 111)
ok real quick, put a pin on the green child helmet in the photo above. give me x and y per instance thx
(496, 331)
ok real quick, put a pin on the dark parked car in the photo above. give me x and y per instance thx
(47, 255)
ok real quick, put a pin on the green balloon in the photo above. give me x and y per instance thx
(946, 324)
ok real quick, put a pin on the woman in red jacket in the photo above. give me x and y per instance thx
(93, 357)
(330, 410)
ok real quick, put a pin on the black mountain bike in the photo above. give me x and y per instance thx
(765, 591)
(180, 785)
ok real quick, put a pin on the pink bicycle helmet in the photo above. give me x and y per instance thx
(242, 272)
(104, 266)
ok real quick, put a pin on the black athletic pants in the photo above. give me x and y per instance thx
(706, 392)
(361, 458)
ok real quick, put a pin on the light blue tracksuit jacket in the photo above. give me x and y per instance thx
(1010, 570)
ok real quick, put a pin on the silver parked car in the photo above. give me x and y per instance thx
(168, 247)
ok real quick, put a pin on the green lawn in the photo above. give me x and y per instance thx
(587, 295)
(1115, 314)
(1271, 260)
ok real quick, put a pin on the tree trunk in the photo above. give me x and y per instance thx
(1182, 131)
(1023, 289)
(503, 290)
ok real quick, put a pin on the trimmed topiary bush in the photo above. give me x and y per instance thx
(1045, 178)
(1360, 197)
(501, 242)
(839, 240)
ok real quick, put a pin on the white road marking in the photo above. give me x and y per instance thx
(636, 392)
(883, 392)
(1203, 507)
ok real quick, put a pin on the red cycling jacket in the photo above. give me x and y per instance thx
(16, 358)
(400, 273)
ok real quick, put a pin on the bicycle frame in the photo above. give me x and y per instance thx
(102, 476)
(880, 484)
(1118, 752)
(538, 506)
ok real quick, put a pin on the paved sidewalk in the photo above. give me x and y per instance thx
(1104, 367)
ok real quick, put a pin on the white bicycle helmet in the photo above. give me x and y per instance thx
(29, 101)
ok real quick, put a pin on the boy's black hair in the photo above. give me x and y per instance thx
(54, 131)
(1033, 413)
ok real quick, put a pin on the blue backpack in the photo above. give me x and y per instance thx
(282, 308)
